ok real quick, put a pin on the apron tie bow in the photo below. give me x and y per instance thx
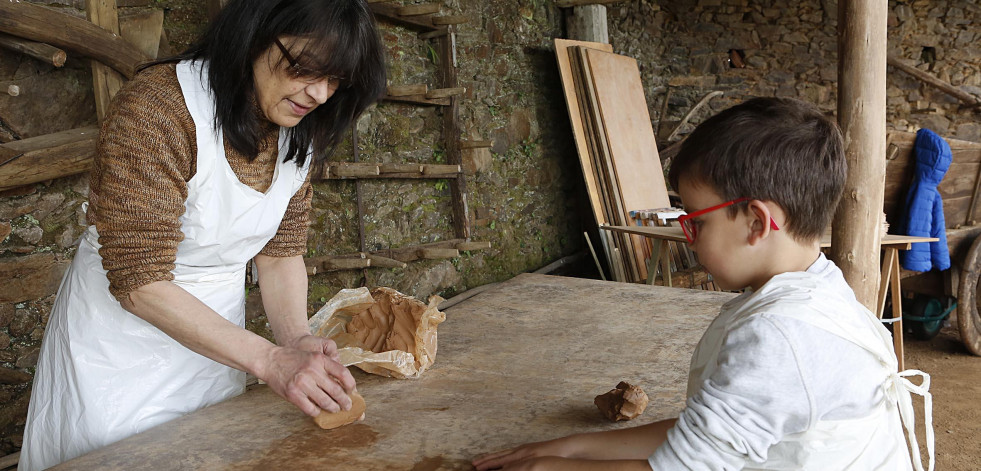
(899, 390)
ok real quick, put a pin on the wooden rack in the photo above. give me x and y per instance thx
(424, 18)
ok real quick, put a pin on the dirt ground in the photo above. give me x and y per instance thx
(956, 386)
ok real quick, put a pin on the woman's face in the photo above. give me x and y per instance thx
(285, 99)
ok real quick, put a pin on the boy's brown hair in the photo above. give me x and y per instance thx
(776, 149)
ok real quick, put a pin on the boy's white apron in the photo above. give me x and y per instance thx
(105, 374)
(871, 443)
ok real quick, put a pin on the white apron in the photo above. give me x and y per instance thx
(105, 374)
(870, 443)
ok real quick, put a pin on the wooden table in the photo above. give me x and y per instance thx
(516, 363)
(889, 280)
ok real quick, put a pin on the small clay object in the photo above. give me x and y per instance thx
(328, 420)
(623, 403)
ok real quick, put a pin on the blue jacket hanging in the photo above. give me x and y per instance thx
(924, 206)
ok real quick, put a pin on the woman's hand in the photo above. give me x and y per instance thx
(315, 344)
(311, 380)
(523, 457)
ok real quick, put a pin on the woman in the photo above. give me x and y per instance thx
(202, 166)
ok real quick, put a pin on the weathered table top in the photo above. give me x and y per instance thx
(520, 362)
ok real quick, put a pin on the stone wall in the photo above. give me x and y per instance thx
(688, 48)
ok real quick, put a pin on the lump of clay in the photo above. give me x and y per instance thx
(623, 403)
(328, 420)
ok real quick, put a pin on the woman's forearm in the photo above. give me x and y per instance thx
(199, 328)
(283, 281)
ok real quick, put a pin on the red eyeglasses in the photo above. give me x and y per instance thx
(691, 229)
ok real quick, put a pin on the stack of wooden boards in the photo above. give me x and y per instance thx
(615, 143)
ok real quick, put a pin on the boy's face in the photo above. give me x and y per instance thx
(721, 243)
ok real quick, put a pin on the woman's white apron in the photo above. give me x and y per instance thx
(105, 374)
(870, 443)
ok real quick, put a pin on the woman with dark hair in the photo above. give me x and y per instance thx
(202, 166)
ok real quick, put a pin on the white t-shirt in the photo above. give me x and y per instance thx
(776, 376)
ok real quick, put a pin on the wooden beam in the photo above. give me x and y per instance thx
(40, 51)
(445, 92)
(367, 170)
(420, 9)
(41, 24)
(925, 77)
(143, 30)
(418, 100)
(579, 3)
(105, 81)
(588, 23)
(437, 253)
(407, 90)
(390, 12)
(411, 253)
(862, 117)
(446, 48)
(45, 157)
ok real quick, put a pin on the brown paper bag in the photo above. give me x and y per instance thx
(383, 332)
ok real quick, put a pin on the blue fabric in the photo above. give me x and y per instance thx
(924, 207)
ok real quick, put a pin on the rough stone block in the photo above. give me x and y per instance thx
(692, 81)
(933, 122)
(9, 376)
(24, 322)
(30, 235)
(28, 358)
(476, 160)
(969, 132)
(4, 230)
(4, 341)
(30, 277)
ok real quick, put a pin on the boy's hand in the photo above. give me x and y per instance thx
(521, 457)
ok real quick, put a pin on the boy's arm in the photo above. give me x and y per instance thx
(634, 443)
(755, 397)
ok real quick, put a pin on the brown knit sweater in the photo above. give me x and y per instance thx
(146, 155)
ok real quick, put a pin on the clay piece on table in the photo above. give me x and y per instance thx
(328, 420)
(623, 403)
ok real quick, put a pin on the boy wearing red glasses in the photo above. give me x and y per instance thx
(795, 373)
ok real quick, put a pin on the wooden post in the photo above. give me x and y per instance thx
(588, 23)
(862, 116)
(105, 81)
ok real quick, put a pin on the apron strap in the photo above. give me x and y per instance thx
(899, 389)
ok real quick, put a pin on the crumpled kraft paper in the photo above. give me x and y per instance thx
(383, 332)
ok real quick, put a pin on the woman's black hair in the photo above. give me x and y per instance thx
(342, 41)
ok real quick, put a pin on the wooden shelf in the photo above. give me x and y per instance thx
(366, 170)
(390, 12)
(418, 100)
(392, 258)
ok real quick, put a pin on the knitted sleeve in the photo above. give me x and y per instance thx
(139, 180)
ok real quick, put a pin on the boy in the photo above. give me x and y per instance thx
(794, 373)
